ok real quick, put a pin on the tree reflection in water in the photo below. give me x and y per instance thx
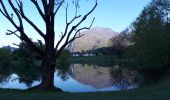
(26, 73)
(124, 78)
(96, 76)
(102, 77)
(63, 70)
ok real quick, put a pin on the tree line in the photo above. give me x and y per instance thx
(146, 42)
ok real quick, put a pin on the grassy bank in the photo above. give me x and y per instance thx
(158, 91)
(92, 58)
(105, 60)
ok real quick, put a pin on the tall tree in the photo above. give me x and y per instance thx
(47, 11)
(151, 48)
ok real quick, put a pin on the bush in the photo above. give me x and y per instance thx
(5, 56)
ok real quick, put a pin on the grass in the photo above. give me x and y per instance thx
(158, 91)
(93, 58)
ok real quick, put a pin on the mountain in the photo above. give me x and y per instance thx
(94, 38)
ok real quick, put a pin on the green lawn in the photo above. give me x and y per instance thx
(158, 91)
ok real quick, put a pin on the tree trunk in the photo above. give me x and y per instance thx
(48, 61)
(47, 72)
(48, 69)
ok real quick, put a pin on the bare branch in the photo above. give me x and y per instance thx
(78, 31)
(71, 40)
(29, 21)
(16, 12)
(23, 36)
(3, 13)
(74, 27)
(74, 37)
(67, 13)
(65, 33)
(64, 45)
(60, 4)
(12, 32)
(15, 44)
(6, 14)
(44, 2)
(66, 28)
(38, 8)
(83, 19)
(34, 26)
(76, 6)
(76, 17)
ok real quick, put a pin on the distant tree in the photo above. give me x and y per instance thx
(48, 11)
(119, 43)
(64, 56)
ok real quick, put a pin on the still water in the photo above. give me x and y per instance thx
(77, 78)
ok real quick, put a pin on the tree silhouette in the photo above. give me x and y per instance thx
(119, 43)
(47, 11)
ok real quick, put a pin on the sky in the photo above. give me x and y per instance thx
(114, 14)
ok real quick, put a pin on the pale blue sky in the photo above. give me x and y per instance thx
(114, 14)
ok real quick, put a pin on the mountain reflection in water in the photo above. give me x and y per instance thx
(75, 78)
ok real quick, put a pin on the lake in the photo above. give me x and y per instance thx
(75, 78)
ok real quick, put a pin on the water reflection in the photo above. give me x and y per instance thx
(100, 77)
(92, 75)
(14, 82)
(124, 78)
(71, 77)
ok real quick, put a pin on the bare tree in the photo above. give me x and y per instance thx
(48, 13)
